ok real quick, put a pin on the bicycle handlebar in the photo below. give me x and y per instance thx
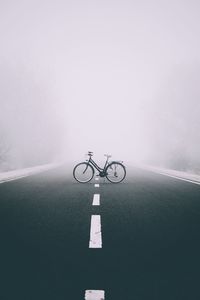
(90, 153)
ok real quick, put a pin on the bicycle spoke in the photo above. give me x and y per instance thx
(115, 172)
(83, 172)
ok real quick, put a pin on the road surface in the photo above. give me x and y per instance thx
(148, 241)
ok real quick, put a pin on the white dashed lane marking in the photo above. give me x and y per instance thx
(94, 295)
(95, 242)
(96, 199)
(95, 232)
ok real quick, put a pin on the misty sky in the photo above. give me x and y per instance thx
(107, 76)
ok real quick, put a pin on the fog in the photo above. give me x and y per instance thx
(117, 77)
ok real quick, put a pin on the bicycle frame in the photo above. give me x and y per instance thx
(101, 170)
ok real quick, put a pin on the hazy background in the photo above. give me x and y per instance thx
(119, 77)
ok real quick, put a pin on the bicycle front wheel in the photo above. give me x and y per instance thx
(115, 172)
(83, 172)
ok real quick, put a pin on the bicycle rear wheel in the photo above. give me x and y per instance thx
(116, 172)
(83, 172)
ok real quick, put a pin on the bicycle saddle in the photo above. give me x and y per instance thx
(107, 155)
(90, 153)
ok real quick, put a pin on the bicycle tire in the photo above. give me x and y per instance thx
(113, 175)
(83, 172)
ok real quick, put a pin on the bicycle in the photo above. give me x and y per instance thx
(114, 171)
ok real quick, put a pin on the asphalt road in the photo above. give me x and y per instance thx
(150, 238)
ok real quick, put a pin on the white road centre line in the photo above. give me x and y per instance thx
(96, 178)
(96, 185)
(96, 199)
(95, 232)
(94, 295)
